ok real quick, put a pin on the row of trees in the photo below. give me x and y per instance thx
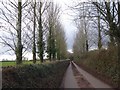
(97, 23)
(56, 46)
(32, 26)
(87, 21)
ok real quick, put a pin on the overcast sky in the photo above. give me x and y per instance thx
(67, 22)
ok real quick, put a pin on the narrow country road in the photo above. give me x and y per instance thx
(69, 80)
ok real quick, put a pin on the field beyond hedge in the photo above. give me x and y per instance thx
(13, 63)
(48, 75)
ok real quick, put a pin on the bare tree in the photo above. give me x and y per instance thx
(42, 7)
(14, 39)
(99, 32)
(92, 23)
(34, 29)
(19, 43)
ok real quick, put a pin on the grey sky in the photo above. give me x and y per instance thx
(67, 21)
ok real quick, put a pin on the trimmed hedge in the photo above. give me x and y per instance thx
(48, 75)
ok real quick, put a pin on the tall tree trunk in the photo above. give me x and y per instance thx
(53, 43)
(34, 44)
(87, 45)
(40, 39)
(50, 47)
(54, 48)
(59, 54)
(19, 43)
(86, 38)
(99, 33)
(110, 21)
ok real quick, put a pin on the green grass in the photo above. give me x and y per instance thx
(8, 63)
(13, 63)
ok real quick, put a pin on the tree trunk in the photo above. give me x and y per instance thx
(34, 45)
(110, 21)
(99, 33)
(87, 46)
(86, 37)
(50, 31)
(54, 50)
(19, 43)
(40, 39)
(53, 45)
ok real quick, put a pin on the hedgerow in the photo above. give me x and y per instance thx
(35, 75)
(103, 62)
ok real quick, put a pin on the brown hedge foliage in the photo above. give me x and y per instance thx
(102, 62)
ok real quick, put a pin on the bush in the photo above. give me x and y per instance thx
(35, 76)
